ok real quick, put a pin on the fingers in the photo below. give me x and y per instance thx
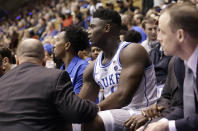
(132, 126)
(129, 122)
(140, 122)
(153, 111)
(160, 108)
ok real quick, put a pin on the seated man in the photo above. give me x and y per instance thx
(123, 70)
(68, 43)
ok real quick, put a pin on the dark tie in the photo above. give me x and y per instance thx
(189, 93)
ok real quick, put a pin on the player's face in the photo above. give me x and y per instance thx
(59, 46)
(96, 31)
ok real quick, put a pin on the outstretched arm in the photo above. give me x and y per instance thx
(69, 105)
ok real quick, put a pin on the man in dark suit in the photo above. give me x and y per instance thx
(34, 98)
(178, 36)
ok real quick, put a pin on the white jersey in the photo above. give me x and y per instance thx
(107, 77)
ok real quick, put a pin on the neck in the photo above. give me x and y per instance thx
(67, 59)
(31, 60)
(188, 50)
(110, 48)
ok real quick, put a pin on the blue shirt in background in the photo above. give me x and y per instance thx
(75, 69)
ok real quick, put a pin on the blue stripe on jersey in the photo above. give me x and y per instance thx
(95, 63)
(100, 62)
(145, 95)
(112, 89)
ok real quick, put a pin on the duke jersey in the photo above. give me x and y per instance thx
(107, 77)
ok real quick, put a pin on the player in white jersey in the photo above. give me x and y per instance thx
(123, 70)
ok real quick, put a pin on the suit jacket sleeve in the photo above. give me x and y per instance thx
(69, 105)
(171, 97)
(165, 99)
(179, 71)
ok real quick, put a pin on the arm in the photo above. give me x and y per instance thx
(70, 106)
(79, 78)
(133, 58)
(90, 89)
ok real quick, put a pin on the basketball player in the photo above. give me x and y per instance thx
(123, 70)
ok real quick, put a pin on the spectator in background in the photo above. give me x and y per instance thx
(110, 5)
(127, 21)
(150, 28)
(132, 36)
(146, 5)
(78, 20)
(41, 27)
(68, 20)
(50, 31)
(95, 51)
(137, 25)
(48, 55)
(67, 45)
(94, 5)
(59, 21)
(7, 59)
(14, 39)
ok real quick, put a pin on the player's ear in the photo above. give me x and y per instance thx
(67, 45)
(107, 27)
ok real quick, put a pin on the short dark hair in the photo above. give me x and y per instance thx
(132, 36)
(108, 15)
(6, 52)
(77, 37)
(183, 16)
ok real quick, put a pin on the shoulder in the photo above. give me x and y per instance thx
(82, 64)
(50, 71)
(134, 53)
